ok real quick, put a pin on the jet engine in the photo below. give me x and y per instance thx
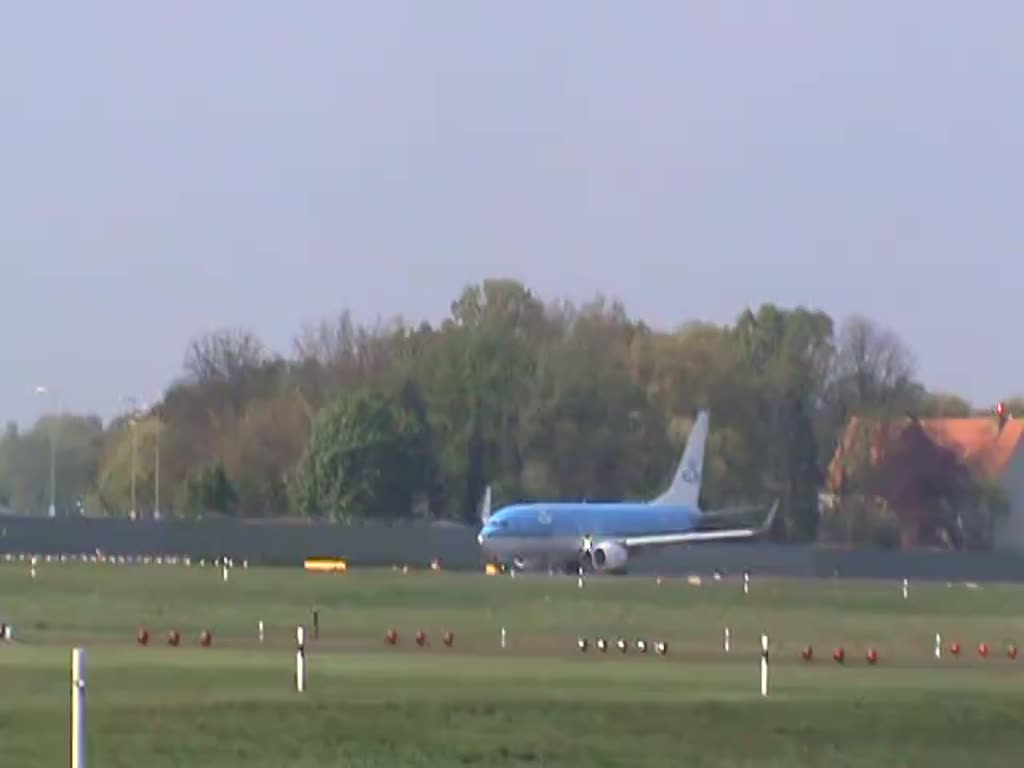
(608, 557)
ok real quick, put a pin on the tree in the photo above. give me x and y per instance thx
(224, 355)
(873, 371)
(263, 448)
(208, 490)
(784, 357)
(364, 460)
(536, 399)
(25, 463)
(944, 405)
(114, 488)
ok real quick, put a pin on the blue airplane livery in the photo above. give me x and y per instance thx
(601, 536)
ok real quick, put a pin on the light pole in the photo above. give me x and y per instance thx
(156, 478)
(133, 414)
(42, 390)
(133, 422)
(156, 474)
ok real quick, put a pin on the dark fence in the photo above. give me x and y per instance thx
(286, 543)
(271, 543)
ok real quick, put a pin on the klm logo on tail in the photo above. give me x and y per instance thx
(690, 473)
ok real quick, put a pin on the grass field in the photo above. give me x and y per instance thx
(539, 702)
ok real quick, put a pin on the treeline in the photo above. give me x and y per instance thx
(538, 400)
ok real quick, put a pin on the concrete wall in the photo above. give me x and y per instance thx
(416, 545)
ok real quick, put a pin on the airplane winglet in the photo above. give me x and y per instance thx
(485, 505)
(767, 524)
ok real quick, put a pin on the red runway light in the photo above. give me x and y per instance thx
(872, 656)
(983, 650)
(449, 638)
(205, 638)
(173, 638)
(839, 655)
(143, 636)
(807, 653)
(421, 637)
(1012, 651)
(392, 637)
(955, 649)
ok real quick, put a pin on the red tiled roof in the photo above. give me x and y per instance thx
(977, 442)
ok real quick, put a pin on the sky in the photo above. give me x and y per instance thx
(170, 168)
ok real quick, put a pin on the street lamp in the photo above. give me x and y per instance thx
(133, 421)
(134, 412)
(42, 390)
(156, 473)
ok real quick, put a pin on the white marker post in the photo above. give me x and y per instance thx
(579, 580)
(905, 588)
(746, 582)
(224, 571)
(938, 646)
(300, 660)
(764, 665)
(261, 630)
(78, 708)
(726, 643)
(502, 638)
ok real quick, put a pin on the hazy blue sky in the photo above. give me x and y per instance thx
(170, 167)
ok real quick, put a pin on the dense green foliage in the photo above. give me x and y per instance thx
(539, 400)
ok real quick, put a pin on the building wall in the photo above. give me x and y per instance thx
(1009, 535)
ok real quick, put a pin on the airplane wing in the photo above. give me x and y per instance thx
(685, 537)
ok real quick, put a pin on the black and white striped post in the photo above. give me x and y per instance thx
(764, 665)
(300, 660)
(78, 708)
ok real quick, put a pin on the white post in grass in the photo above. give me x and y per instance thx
(78, 708)
(764, 665)
(726, 643)
(503, 638)
(905, 587)
(261, 630)
(746, 582)
(300, 660)
(938, 646)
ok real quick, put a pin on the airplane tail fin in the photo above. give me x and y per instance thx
(685, 487)
(485, 505)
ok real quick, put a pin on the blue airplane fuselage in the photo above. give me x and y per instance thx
(555, 530)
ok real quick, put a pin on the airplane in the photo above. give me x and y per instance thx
(600, 536)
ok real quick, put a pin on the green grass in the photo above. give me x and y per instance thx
(538, 703)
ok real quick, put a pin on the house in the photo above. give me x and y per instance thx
(913, 461)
